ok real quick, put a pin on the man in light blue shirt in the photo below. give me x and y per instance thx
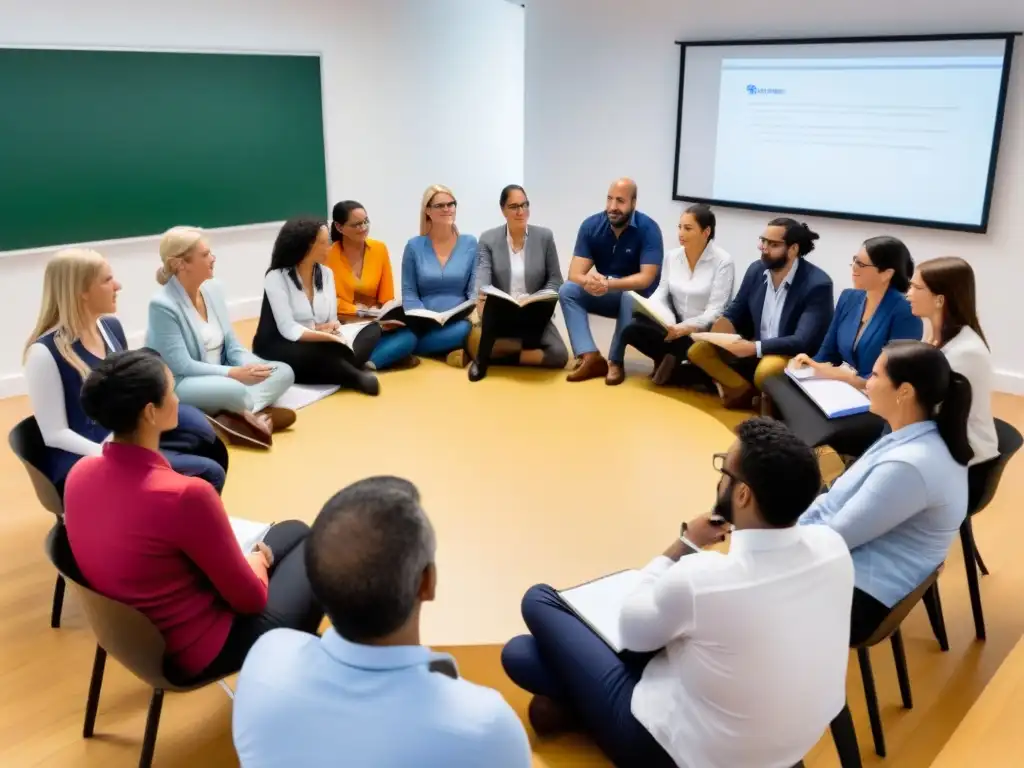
(367, 693)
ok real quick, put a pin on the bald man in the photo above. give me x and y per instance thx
(616, 251)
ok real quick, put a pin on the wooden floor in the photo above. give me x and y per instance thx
(526, 479)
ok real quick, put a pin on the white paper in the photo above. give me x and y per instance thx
(248, 532)
(835, 398)
(300, 395)
(600, 603)
(718, 339)
(648, 308)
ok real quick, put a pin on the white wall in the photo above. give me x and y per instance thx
(602, 89)
(416, 93)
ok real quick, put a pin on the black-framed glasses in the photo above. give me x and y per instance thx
(448, 206)
(517, 207)
(718, 462)
(861, 264)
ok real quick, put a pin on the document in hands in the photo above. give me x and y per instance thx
(349, 332)
(598, 603)
(443, 318)
(391, 313)
(649, 309)
(531, 298)
(836, 399)
(248, 532)
(718, 339)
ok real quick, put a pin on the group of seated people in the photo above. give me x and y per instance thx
(730, 659)
(719, 645)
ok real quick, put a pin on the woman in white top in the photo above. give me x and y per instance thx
(189, 325)
(299, 319)
(696, 284)
(942, 292)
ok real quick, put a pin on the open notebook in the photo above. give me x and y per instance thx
(649, 309)
(836, 399)
(598, 603)
(248, 532)
(300, 395)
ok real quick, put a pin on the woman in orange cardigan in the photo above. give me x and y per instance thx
(362, 280)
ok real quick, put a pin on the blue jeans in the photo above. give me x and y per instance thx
(393, 347)
(577, 304)
(564, 660)
(445, 339)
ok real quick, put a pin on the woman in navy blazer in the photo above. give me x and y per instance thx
(868, 316)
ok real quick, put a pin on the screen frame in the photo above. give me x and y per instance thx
(982, 228)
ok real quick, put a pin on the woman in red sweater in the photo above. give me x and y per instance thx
(161, 542)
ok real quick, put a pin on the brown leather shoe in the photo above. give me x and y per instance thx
(663, 373)
(280, 418)
(739, 399)
(245, 429)
(589, 366)
(616, 375)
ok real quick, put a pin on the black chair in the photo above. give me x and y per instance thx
(983, 480)
(890, 629)
(27, 443)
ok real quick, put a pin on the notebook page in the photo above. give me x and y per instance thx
(248, 532)
(600, 602)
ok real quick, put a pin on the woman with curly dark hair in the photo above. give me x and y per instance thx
(299, 318)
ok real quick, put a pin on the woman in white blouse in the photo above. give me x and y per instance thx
(942, 292)
(299, 318)
(696, 284)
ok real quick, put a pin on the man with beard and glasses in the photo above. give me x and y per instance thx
(783, 308)
(731, 660)
(616, 251)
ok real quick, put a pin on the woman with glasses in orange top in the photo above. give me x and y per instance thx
(363, 280)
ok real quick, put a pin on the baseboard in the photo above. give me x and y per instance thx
(1010, 382)
(240, 309)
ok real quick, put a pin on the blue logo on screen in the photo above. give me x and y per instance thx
(753, 90)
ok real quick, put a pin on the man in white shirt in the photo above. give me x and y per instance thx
(732, 660)
(367, 693)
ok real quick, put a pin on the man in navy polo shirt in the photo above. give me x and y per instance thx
(616, 251)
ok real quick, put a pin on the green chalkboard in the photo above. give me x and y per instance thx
(98, 145)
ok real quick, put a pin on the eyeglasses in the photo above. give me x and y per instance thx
(858, 264)
(718, 462)
(764, 243)
(364, 224)
(517, 207)
(449, 206)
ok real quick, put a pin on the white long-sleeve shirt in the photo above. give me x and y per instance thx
(698, 296)
(754, 647)
(46, 393)
(293, 312)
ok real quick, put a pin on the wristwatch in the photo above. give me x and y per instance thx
(686, 541)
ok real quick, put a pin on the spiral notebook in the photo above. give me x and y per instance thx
(598, 603)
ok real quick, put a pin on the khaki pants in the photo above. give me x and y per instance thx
(735, 373)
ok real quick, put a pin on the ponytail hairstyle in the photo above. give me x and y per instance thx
(340, 216)
(704, 217)
(796, 233)
(943, 394)
(176, 247)
(888, 252)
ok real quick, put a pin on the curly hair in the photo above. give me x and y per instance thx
(780, 469)
(292, 245)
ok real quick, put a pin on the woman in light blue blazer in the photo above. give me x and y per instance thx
(439, 274)
(190, 327)
(868, 316)
(900, 505)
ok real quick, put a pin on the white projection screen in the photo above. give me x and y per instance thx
(899, 130)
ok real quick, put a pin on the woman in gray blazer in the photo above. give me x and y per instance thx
(517, 261)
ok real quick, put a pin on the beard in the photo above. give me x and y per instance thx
(774, 264)
(619, 219)
(723, 506)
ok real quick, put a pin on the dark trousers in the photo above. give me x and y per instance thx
(322, 362)
(648, 338)
(290, 600)
(866, 615)
(504, 320)
(564, 660)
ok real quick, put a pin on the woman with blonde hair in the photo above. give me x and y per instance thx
(190, 327)
(76, 329)
(438, 275)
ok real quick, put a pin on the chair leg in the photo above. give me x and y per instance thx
(871, 698)
(845, 738)
(978, 560)
(156, 704)
(900, 658)
(58, 602)
(95, 684)
(933, 604)
(970, 564)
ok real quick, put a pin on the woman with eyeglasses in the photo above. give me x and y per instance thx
(868, 316)
(363, 281)
(438, 275)
(519, 261)
(900, 505)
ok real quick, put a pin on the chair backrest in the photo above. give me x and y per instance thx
(120, 630)
(988, 475)
(900, 610)
(27, 443)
